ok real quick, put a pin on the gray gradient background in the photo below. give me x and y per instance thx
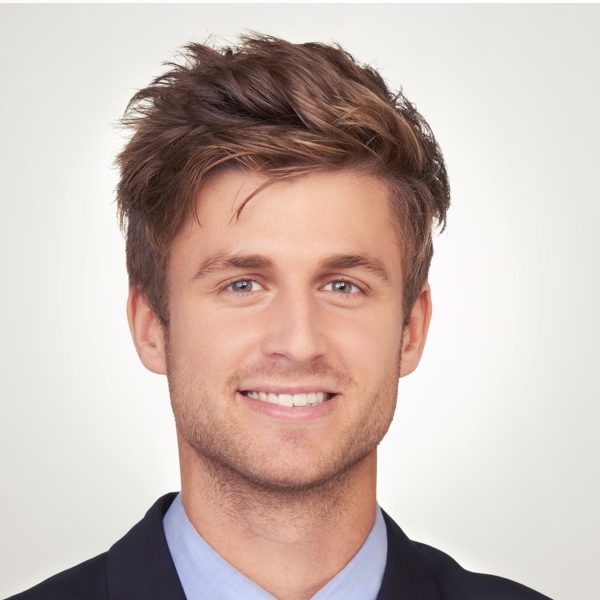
(493, 454)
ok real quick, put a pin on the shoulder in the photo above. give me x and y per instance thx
(456, 583)
(86, 580)
(416, 570)
(138, 566)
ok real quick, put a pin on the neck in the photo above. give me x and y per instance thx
(290, 542)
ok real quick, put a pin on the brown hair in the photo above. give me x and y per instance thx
(281, 109)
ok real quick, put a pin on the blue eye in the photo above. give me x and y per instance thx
(242, 286)
(344, 287)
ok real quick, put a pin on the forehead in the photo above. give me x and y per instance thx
(309, 215)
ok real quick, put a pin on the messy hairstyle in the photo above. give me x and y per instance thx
(282, 110)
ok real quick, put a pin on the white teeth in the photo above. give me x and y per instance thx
(285, 399)
(300, 399)
(313, 399)
(307, 399)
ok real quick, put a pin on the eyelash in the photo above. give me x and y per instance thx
(246, 293)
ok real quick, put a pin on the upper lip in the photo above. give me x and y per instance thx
(287, 389)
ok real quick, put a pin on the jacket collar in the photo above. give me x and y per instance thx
(406, 575)
(139, 566)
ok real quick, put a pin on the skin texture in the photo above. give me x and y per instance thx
(288, 503)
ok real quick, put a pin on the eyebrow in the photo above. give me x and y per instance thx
(223, 261)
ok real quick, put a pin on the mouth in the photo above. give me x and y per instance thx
(290, 400)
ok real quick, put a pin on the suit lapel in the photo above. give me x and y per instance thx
(139, 565)
(406, 576)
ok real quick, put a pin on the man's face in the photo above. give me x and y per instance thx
(284, 309)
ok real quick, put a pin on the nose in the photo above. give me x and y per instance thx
(293, 328)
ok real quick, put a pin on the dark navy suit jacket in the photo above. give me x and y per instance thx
(139, 567)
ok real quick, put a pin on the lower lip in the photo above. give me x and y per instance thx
(291, 414)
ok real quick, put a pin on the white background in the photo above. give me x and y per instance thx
(493, 455)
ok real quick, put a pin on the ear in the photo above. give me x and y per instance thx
(415, 332)
(147, 331)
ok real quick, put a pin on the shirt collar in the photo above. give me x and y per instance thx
(204, 573)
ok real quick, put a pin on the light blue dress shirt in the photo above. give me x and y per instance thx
(205, 574)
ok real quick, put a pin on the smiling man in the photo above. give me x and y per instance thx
(278, 203)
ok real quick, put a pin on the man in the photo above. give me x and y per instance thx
(278, 202)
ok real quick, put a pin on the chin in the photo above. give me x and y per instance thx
(298, 478)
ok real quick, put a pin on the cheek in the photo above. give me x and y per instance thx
(210, 340)
(370, 348)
